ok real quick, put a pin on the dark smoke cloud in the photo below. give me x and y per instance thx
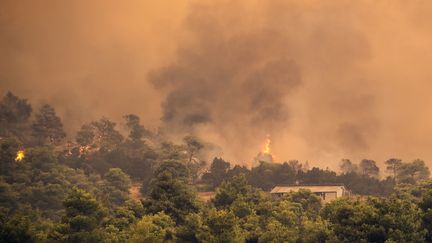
(229, 82)
(326, 79)
(235, 77)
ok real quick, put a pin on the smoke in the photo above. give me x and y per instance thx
(234, 80)
(325, 79)
(87, 58)
(228, 84)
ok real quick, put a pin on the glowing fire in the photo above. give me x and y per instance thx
(84, 149)
(20, 155)
(266, 149)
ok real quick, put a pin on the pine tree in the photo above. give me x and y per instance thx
(83, 218)
(47, 127)
(170, 193)
(14, 116)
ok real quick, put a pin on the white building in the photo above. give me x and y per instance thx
(326, 193)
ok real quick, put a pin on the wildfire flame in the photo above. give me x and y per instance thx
(84, 149)
(20, 155)
(266, 149)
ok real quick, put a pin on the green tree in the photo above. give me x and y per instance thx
(392, 166)
(366, 185)
(99, 135)
(193, 146)
(351, 220)
(194, 164)
(369, 168)
(230, 190)
(137, 132)
(116, 178)
(83, 218)
(277, 232)
(41, 158)
(8, 151)
(156, 228)
(170, 151)
(8, 196)
(425, 204)
(135, 157)
(413, 172)
(117, 184)
(121, 221)
(310, 202)
(169, 192)
(100, 147)
(24, 225)
(317, 176)
(237, 170)
(218, 172)
(315, 231)
(401, 219)
(284, 222)
(295, 165)
(14, 116)
(223, 226)
(346, 166)
(375, 220)
(47, 127)
(175, 168)
(266, 175)
(193, 229)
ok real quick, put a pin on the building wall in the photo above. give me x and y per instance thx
(330, 196)
(326, 193)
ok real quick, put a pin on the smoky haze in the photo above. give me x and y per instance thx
(325, 79)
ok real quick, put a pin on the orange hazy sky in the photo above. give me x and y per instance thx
(362, 89)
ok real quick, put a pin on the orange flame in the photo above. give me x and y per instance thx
(266, 149)
(20, 155)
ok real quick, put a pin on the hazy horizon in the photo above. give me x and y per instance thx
(325, 80)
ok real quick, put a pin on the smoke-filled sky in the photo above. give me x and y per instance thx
(325, 79)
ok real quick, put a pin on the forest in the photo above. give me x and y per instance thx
(103, 184)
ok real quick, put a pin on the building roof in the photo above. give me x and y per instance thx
(286, 189)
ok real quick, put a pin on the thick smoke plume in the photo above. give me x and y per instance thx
(325, 79)
(233, 82)
(230, 84)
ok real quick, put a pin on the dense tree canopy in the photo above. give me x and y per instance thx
(169, 192)
(47, 127)
(14, 116)
(132, 185)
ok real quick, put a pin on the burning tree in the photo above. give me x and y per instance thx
(265, 155)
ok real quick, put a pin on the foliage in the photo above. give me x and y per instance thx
(412, 172)
(47, 127)
(375, 220)
(137, 131)
(230, 190)
(309, 202)
(346, 166)
(8, 150)
(26, 225)
(217, 173)
(193, 146)
(154, 228)
(85, 191)
(169, 192)
(83, 218)
(14, 117)
(393, 166)
(369, 168)
(116, 187)
(223, 226)
(99, 135)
